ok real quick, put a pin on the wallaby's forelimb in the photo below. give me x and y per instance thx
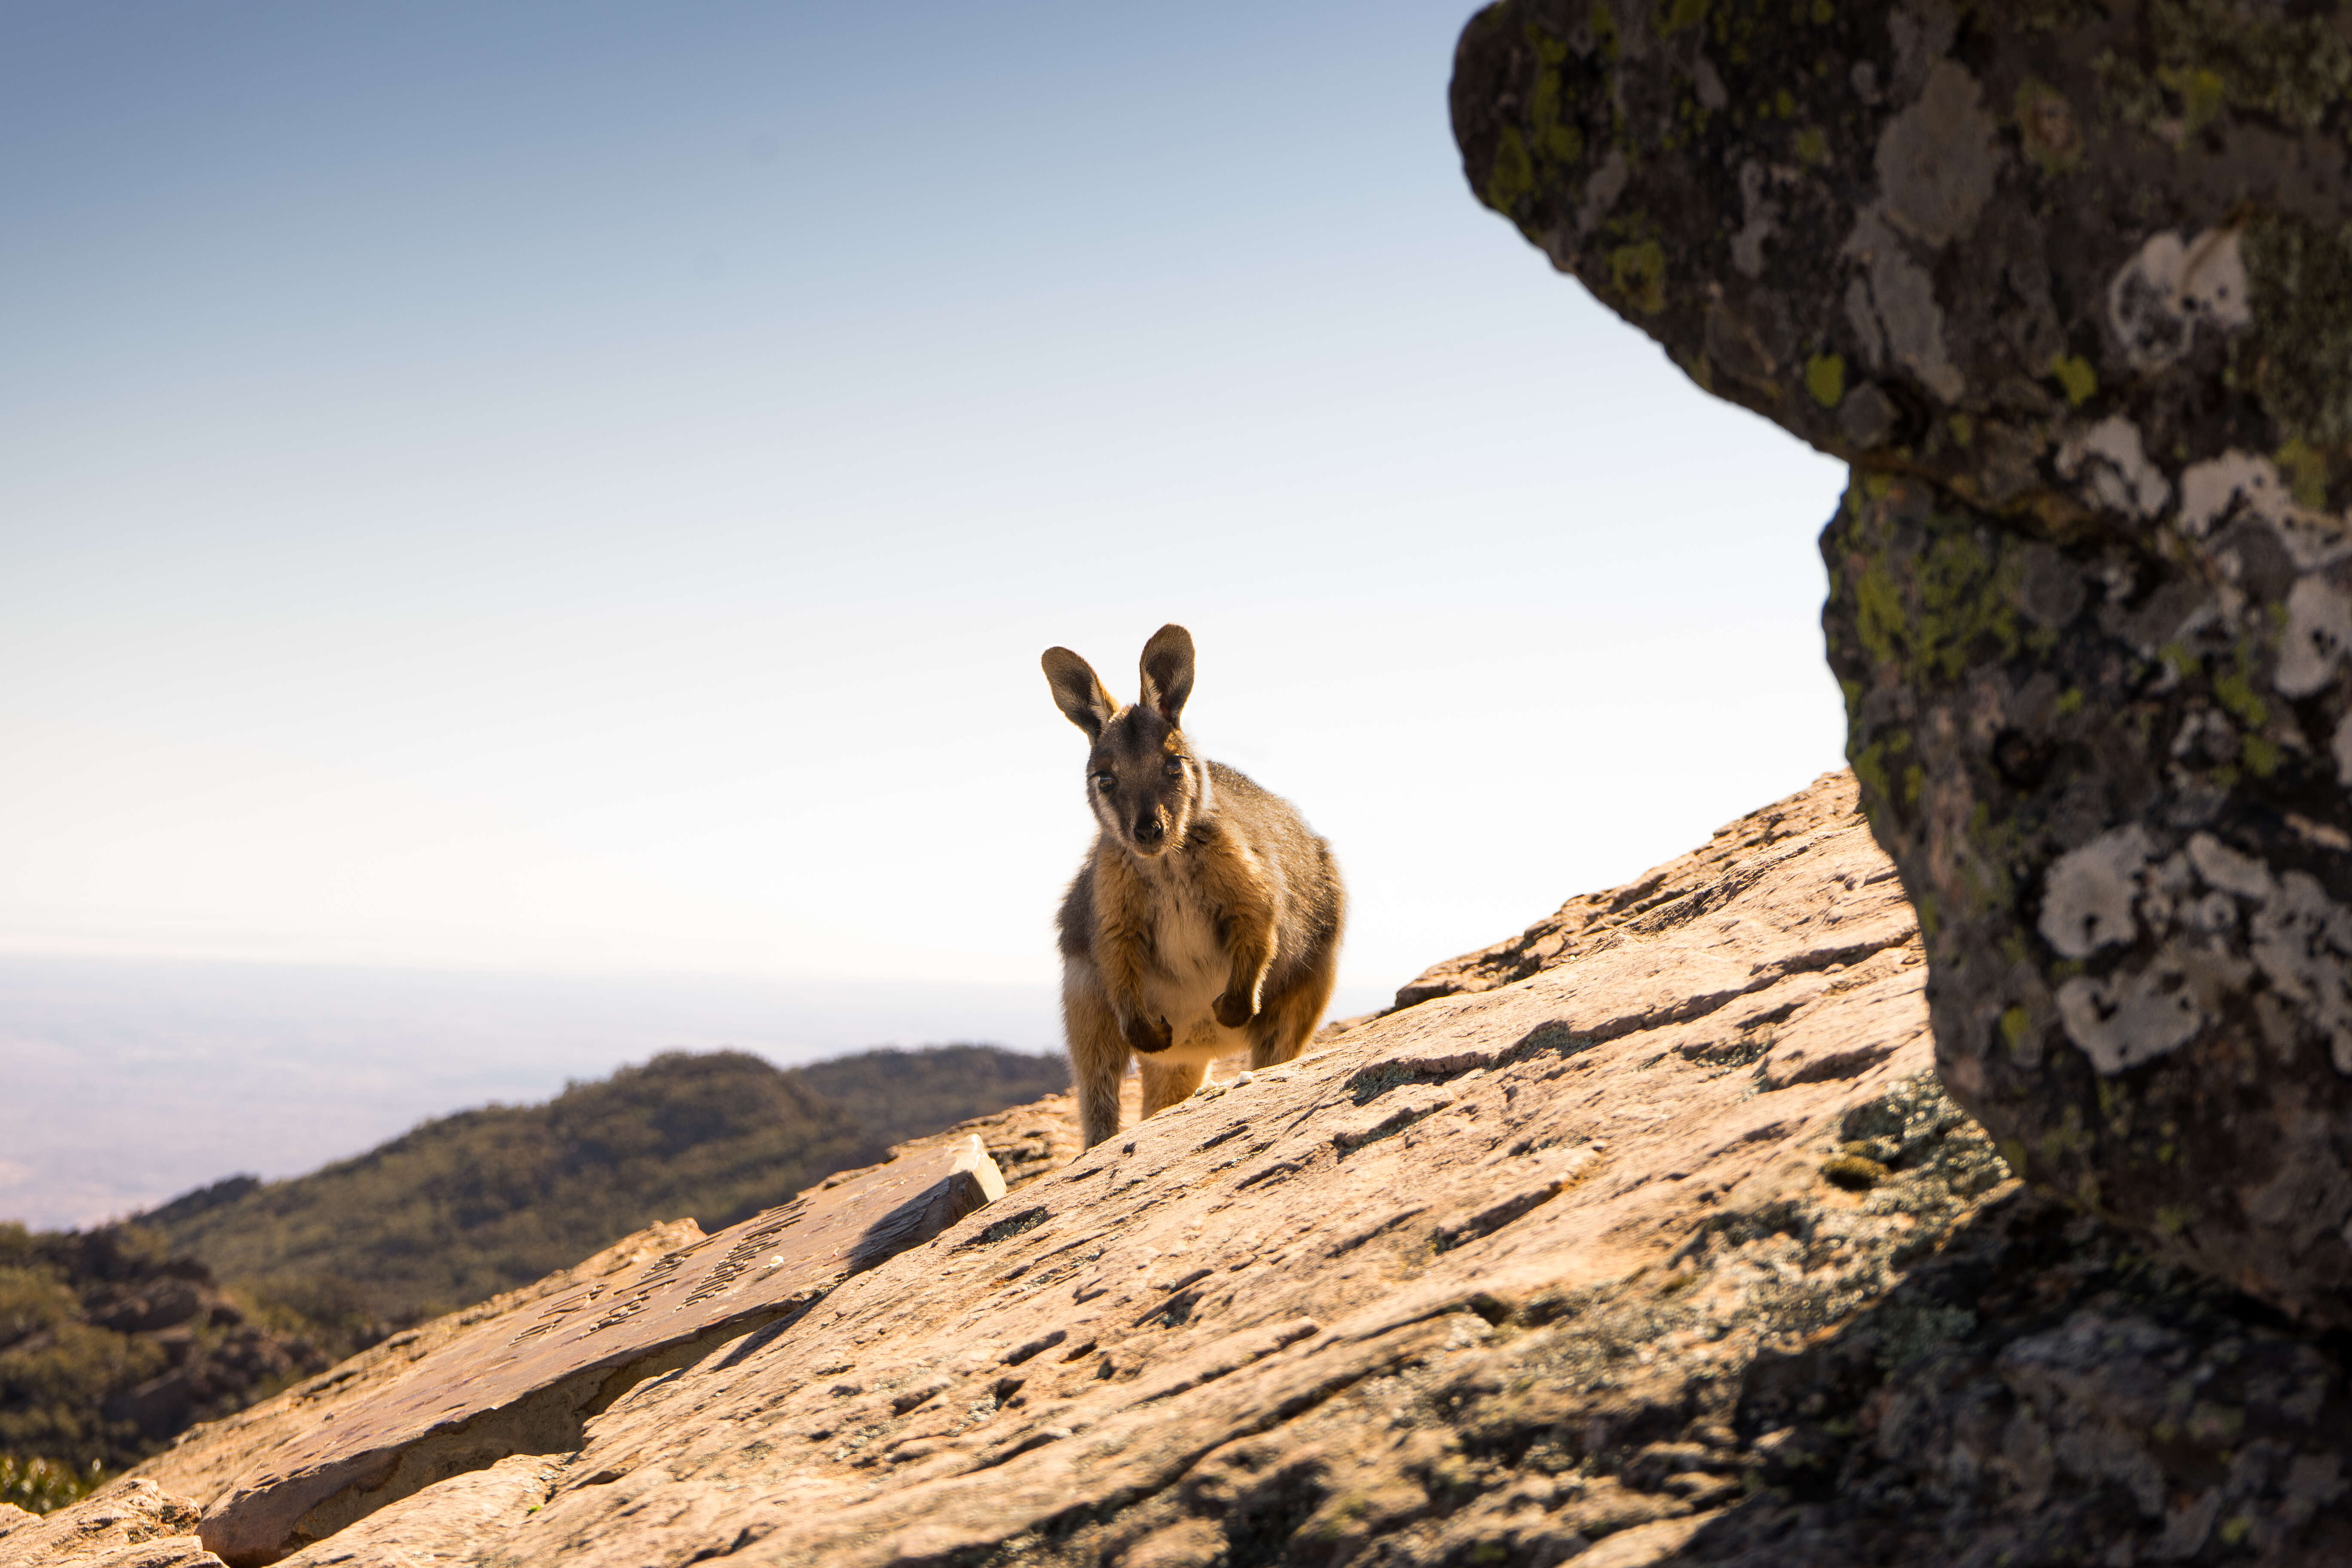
(1122, 940)
(1285, 1032)
(1097, 1056)
(1240, 889)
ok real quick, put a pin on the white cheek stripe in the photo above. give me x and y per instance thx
(1208, 799)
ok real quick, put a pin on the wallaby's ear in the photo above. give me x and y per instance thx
(1168, 671)
(1077, 691)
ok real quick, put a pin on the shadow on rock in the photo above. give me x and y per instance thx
(2043, 1392)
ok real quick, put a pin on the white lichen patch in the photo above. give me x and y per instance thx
(2112, 464)
(1863, 317)
(1761, 220)
(1938, 160)
(2196, 904)
(1601, 189)
(2302, 939)
(1938, 163)
(2087, 897)
(2318, 630)
(2130, 1018)
(1712, 94)
(2162, 295)
(2214, 490)
(1903, 298)
(2229, 870)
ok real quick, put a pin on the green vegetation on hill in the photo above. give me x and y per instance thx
(897, 1094)
(110, 1344)
(113, 1341)
(468, 1205)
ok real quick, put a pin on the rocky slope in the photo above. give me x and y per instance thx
(1645, 1238)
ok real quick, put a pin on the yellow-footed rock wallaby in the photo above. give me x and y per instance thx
(1206, 919)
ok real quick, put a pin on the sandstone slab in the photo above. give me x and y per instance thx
(523, 1382)
(208, 1458)
(2068, 285)
(442, 1523)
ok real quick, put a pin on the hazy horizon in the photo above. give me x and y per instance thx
(199, 1071)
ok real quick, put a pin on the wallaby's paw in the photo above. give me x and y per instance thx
(1146, 1034)
(1234, 1009)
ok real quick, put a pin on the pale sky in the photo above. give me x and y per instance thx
(581, 489)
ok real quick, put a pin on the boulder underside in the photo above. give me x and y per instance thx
(2069, 286)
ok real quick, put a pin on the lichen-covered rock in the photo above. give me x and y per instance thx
(2070, 285)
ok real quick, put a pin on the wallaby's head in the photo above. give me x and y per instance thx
(1143, 780)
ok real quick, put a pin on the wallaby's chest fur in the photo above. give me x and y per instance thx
(1206, 919)
(1188, 964)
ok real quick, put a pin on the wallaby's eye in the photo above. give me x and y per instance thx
(1105, 782)
(1175, 768)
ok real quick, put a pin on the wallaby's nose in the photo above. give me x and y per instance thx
(1147, 827)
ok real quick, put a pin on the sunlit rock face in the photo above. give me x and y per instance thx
(2070, 285)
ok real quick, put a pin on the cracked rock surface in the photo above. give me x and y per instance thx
(2069, 286)
(134, 1521)
(1646, 1237)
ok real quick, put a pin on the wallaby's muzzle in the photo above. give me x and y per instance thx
(1149, 832)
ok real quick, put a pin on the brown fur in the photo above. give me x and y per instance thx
(1197, 878)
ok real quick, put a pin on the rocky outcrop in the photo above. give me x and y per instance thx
(2069, 285)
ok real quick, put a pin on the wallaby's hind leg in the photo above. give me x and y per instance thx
(1296, 1013)
(1168, 1085)
(1097, 1054)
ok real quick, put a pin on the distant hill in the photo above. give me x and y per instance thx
(466, 1205)
(897, 1095)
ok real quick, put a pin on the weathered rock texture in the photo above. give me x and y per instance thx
(2070, 284)
(1646, 1237)
(524, 1382)
(132, 1522)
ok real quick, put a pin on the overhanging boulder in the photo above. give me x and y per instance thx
(2071, 287)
